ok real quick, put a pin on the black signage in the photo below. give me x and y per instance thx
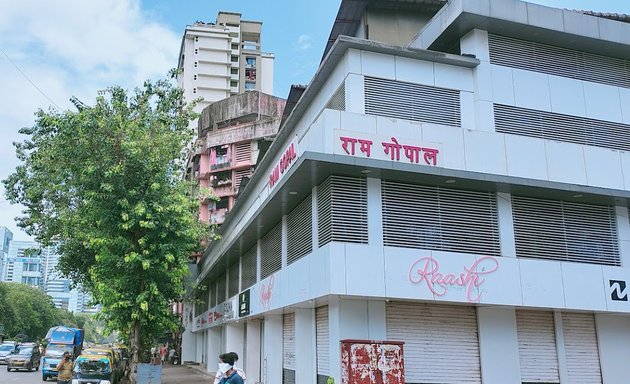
(618, 292)
(243, 304)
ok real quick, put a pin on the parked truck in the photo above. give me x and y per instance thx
(60, 339)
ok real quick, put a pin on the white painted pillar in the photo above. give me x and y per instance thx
(189, 345)
(272, 350)
(613, 337)
(305, 348)
(498, 345)
(561, 350)
(623, 233)
(199, 341)
(234, 338)
(215, 348)
(253, 351)
(506, 224)
(375, 212)
(355, 90)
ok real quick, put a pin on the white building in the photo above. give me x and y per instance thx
(60, 289)
(5, 238)
(24, 264)
(465, 193)
(221, 59)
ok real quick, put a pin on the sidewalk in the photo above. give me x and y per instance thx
(179, 374)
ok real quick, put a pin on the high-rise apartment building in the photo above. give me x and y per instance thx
(60, 289)
(221, 59)
(5, 238)
(24, 264)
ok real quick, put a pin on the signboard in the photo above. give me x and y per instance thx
(149, 374)
(289, 155)
(229, 310)
(243, 304)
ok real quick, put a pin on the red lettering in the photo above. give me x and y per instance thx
(265, 293)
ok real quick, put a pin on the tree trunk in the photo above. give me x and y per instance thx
(135, 350)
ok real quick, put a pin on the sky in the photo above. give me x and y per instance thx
(53, 50)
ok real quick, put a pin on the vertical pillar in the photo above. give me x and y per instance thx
(506, 224)
(498, 345)
(235, 338)
(305, 349)
(562, 356)
(199, 341)
(253, 351)
(272, 349)
(613, 337)
(189, 345)
(623, 234)
(215, 348)
(283, 241)
(314, 218)
(375, 212)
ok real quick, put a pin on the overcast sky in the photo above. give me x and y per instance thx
(52, 50)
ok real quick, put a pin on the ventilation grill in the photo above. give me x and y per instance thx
(233, 280)
(242, 152)
(221, 288)
(565, 231)
(342, 210)
(248, 269)
(424, 217)
(410, 101)
(212, 292)
(556, 126)
(239, 174)
(271, 252)
(557, 61)
(300, 231)
(338, 100)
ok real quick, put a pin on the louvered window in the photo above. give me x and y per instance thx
(427, 217)
(581, 349)
(242, 152)
(239, 174)
(532, 56)
(212, 292)
(565, 231)
(410, 101)
(556, 126)
(271, 252)
(221, 283)
(233, 279)
(338, 99)
(342, 210)
(248, 265)
(300, 231)
(537, 350)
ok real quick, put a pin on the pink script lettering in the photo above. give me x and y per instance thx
(427, 269)
(265, 293)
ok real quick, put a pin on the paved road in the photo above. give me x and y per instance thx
(20, 377)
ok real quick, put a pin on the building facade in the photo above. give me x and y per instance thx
(24, 264)
(5, 238)
(60, 289)
(464, 193)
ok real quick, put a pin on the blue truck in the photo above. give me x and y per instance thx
(60, 339)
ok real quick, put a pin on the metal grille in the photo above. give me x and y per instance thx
(338, 100)
(537, 347)
(342, 210)
(426, 217)
(300, 231)
(557, 126)
(249, 263)
(233, 279)
(410, 101)
(271, 252)
(321, 340)
(288, 341)
(582, 352)
(543, 58)
(242, 152)
(221, 282)
(565, 231)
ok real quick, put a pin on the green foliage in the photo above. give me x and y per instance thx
(105, 183)
(26, 310)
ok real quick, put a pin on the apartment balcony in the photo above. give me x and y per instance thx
(222, 162)
(217, 216)
(223, 190)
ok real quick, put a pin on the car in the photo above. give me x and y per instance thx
(26, 356)
(51, 358)
(6, 349)
(93, 368)
(114, 358)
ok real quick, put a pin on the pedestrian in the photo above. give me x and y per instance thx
(64, 367)
(171, 356)
(152, 352)
(219, 375)
(226, 367)
(163, 354)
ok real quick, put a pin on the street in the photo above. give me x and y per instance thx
(20, 377)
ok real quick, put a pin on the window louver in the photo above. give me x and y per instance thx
(242, 152)
(342, 210)
(233, 279)
(338, 99)
(221, 288)
(239, 174)
(248, 268)
(271, 252)
(426, 217)
(300, 231)
(532, 56)
(565, 231)
(557, 126)
(410, 101)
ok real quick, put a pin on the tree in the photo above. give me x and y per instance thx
(25, 310)
(104, 182)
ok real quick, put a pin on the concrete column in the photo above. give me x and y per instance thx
(189, 346)
(305, 347)
(613, 336)
(314, 218)
(562, 354)
(234, 338)
(375, 212)
(199, 341)
(355, 92)
(272, 349)
(623, 234)
(253, 351)
(506, 224)
(215, 348)
(498, 345)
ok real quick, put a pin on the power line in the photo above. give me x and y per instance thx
(29, 80)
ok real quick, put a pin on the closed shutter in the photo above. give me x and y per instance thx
(300, 231)
(288, 348)
(322, 341)
(441, 341)
(582, 352)
(248, 268)
(233, 279)
(271, 252)
(537, 347)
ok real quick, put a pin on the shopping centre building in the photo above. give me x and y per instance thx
(455, 177)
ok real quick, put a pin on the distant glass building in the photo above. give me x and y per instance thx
(5, 238)
(24, 264)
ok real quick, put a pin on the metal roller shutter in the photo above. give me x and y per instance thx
(582, 352)
(288, 348)
(322, 340)
(537, 347)
(441, 342)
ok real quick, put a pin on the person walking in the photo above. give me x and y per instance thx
(171, 356)
(219, 375)
(226, 367)
(163, 352)
(65, 369)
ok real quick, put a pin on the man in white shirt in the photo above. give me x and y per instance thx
(239, 371)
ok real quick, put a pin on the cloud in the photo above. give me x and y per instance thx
(71, 48)
(304, 42)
